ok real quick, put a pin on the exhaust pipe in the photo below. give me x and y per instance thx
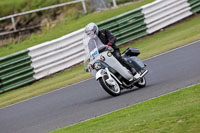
(144, 73)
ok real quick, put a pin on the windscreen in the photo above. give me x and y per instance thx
(92, 45)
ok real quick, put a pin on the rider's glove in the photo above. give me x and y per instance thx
(109, 44)
(110, 49)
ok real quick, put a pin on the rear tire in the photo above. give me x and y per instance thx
(112, 90)
(141, 83)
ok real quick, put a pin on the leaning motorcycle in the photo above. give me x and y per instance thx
(112, 76)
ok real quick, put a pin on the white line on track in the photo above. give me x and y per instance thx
(45, 93)
(92, 78)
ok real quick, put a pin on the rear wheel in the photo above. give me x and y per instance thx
(141, 83)
(113, 90)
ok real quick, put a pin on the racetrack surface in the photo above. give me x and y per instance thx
(167, 73)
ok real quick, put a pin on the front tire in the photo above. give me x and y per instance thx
(112, 90)
(141, 83)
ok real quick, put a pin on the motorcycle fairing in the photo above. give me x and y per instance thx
(115, 64)
(93, 43)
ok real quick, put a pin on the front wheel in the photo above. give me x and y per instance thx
(141, 83)
(113, 90)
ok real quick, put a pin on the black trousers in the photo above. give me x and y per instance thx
(118, 56)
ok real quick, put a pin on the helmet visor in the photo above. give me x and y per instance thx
(90, 33)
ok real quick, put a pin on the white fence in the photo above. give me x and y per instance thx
(162, 13)
(56, 55)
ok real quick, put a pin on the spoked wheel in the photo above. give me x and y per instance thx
(141, 83)
(113, 90)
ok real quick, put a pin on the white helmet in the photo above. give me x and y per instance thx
(91, 28)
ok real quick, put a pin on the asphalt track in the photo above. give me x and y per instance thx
(167, 73)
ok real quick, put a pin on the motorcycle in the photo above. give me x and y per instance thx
(111, 74)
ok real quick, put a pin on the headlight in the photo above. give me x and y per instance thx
(97, 65)
(109, 54)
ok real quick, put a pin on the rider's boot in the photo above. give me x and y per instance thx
(135, 74)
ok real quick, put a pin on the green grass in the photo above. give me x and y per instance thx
(178, 112)
(17, 6)
(68, 25)
(175, 36)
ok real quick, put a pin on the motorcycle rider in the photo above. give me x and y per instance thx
(109, 39)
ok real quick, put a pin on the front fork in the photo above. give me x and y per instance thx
(111, 77)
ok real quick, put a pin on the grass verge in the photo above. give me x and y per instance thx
(175, 36)
(17, 6)
(177, 112)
